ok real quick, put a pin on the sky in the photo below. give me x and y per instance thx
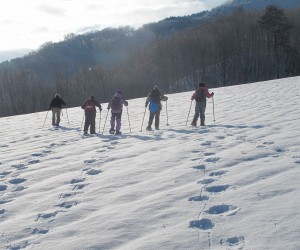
(233, 184)
(27, 24)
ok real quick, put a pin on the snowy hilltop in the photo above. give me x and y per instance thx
(233, 184)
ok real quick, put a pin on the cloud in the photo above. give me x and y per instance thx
(31, 23)
(51, 10)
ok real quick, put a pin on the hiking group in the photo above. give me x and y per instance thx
(116, 103)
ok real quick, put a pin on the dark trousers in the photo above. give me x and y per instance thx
(200, 111)
(151, 118)
(90, 117)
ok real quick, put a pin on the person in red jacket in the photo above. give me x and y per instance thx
(89, 107)
(200, 96)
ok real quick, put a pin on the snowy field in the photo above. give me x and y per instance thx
(234, 184)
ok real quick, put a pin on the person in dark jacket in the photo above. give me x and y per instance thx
(89, 107)
(200, 96)
(56, 107)
(116, 105)
(154, 99)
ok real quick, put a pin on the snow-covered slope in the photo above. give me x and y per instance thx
(231, 185)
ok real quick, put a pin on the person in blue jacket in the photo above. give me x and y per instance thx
(154, 99)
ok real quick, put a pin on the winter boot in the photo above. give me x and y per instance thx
(118, 132)
(149, 128)
(194, 124)
(112, 131)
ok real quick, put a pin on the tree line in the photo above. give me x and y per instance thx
(231, 49)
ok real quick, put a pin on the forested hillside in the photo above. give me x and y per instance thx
(235, 48)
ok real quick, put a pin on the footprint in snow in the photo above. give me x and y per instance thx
(199, 198)
(93, 171)
(294, 157)
(2, 201)
(209, 154)
(233, 242)
(79, 186)
(218, 173)
(33, 161)
(68, 204)
(212, 159)
(217, 189)
(67, 195)
(204, 224)
(200, 167)
(3, 188)
(20, 245)
(17, 181)
(37, 154)
(74, 181)
(208, 143)
(89, 161)
(279, 150)
(39, 231)
(268, 143)
(5, 173)
(206, 181)
(47, 216)
(18, 188)
(20, 166)
(196, 151)
(2, 212)
(222, 209)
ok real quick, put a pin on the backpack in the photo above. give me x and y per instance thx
(116, 103)
(153, 106)
(89, 106)
(200, 95)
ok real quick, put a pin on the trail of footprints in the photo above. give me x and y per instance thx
(67, 200)
(208, 188)
(203, 222)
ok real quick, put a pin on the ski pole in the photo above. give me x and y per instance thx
(99, 121)
(105, 122)
(143, 120)
(67, 116)
(213, 109)
(45, 119)
(128, 119)
(189, 113)
(167, 113)
(81, 123)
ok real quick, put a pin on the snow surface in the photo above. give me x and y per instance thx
(231, 185)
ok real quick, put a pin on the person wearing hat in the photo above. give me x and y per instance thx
(56, 107)
(154, 99)
(200, 96)
(116, 105)
(89, 107)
